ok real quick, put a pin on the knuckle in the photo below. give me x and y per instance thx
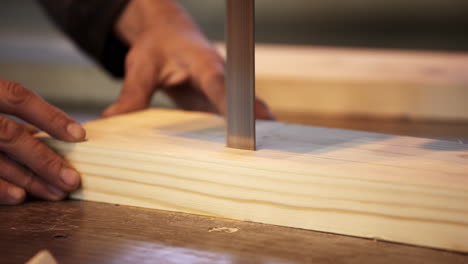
(215, 74)
(209, 62)
(214, 79)
(16, 94)
(9, 131)
(213, 57)
(57, 117)
(15, 174)
(28, 181)
(217, 59)
(52, 165)
(47, 162)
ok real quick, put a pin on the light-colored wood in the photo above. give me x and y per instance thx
(300, 80)
(43, 257)
(363, 82)
(410, 190)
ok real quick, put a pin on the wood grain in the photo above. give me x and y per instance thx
(78, 232)
(403, 189)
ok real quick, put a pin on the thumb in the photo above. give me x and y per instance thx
(141, 80)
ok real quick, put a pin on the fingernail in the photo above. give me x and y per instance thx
(70, 177)
(76, 131)
(58, 194)
(16, 194)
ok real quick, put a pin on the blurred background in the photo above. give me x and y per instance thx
(34, 53)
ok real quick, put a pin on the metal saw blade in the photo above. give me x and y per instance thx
(240, 79)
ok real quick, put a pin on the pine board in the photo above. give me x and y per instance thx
(403, 189)
(380, 83)
(336, 82)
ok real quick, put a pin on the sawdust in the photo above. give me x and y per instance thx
(223, 229)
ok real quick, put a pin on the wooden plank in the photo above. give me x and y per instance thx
(363, 82)
(410, 190)
(301, 80)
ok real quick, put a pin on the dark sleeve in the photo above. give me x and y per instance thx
(90, 24)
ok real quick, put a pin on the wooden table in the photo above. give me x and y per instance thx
(87, 232)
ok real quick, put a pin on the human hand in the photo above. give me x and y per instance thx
(168, 51)
(27, 165)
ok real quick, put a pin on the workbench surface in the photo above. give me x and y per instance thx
(88, 232)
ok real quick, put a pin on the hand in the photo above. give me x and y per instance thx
(27, 165)
(168, 51)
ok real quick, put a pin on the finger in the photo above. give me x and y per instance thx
(10, 194)
(187, 97)
(19, 101)
(29, 151)
(141, 79)
(262, 111)
(210, 77)
(30, 129)
(19, 176)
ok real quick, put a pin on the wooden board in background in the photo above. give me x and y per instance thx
(299, 81)
(410, 190)
(378, 83)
